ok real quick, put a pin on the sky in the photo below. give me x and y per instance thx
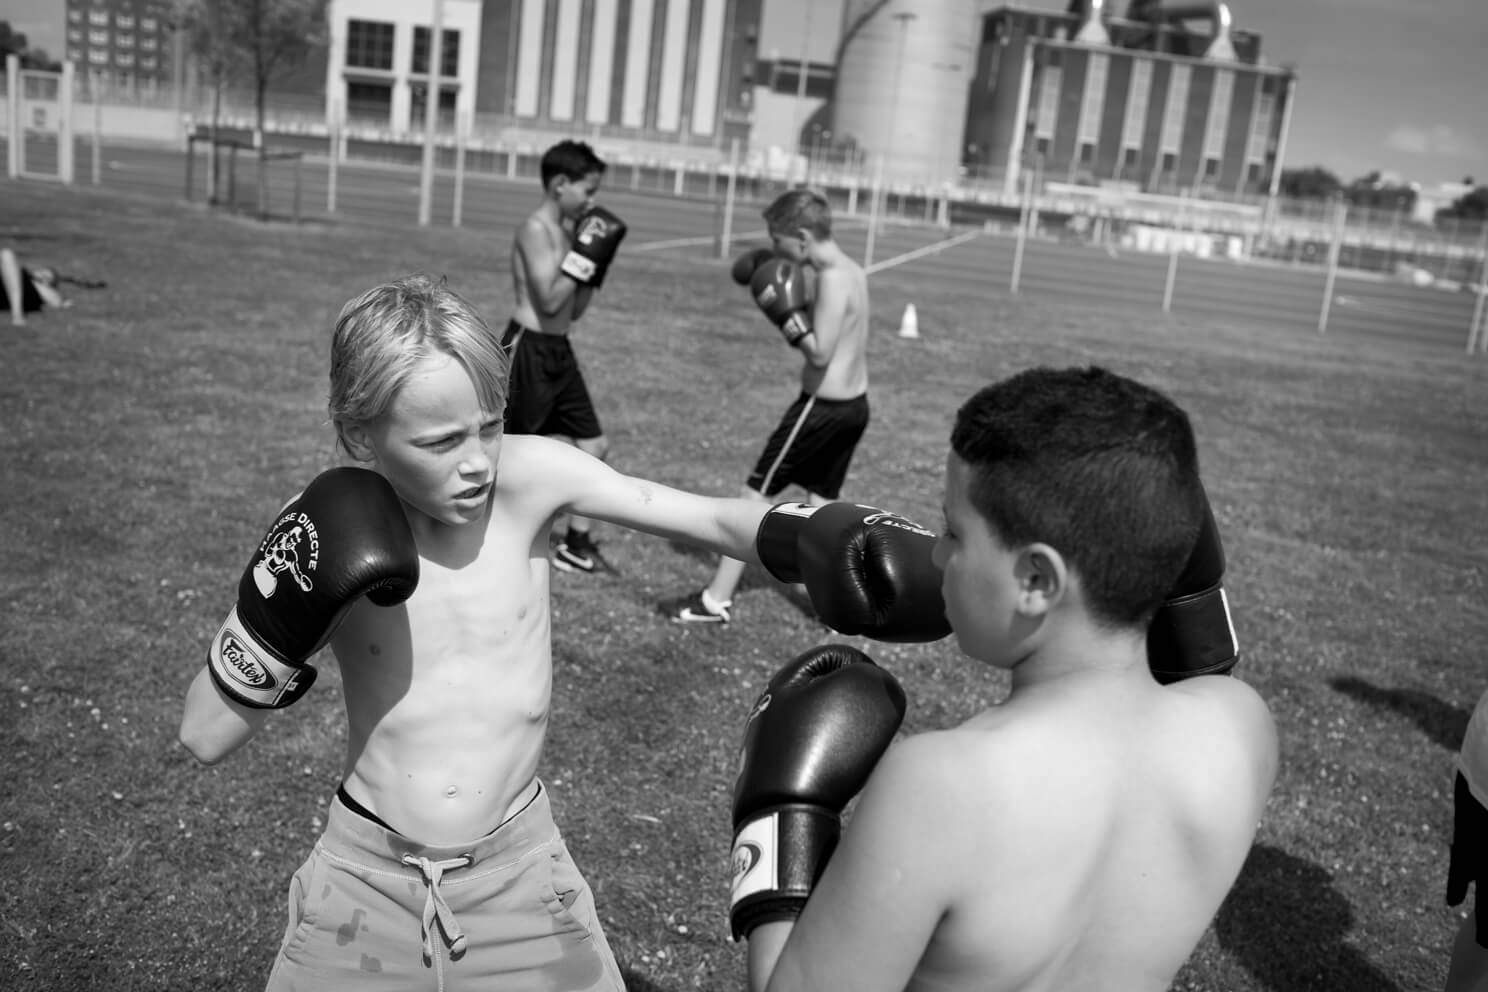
(1399, 86)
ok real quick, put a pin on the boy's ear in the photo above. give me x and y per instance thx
(1043, 578)
(357, 441)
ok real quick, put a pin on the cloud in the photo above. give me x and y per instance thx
(1438, 139)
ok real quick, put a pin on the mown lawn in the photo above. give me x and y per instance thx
(148, 434)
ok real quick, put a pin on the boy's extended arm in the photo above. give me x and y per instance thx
(547, 287)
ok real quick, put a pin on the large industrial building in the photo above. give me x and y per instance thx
(1163, 96)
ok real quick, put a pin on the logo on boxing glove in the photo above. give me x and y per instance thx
(591, 230)
(281, 554)
(894, 520)
(241, 665)
(746, 855)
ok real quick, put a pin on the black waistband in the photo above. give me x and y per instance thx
(359, 809)
(366, 813)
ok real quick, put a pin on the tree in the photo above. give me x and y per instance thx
(251, 41)
(13, 42)
(1473, 206)
(1312, 183)
(1375, 192)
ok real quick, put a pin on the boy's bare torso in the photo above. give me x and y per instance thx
(539, 233)
(447, 695)
(845, 377)
(1106, 826)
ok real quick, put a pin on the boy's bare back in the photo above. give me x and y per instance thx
(1079, 837)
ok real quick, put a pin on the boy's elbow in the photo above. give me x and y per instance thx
(201, 744)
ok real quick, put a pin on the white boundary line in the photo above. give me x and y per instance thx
(910, 256)
(707, 239)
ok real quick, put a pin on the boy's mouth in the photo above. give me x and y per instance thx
(473, 491)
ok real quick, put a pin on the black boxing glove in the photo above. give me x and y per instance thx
(811, 741)
(746, 264)
(596, 239)
(343, 538)
(780, 291)
(867, 571)
(1191, 633)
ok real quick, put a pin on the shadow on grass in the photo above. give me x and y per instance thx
(635, 982)
(1286, 924)
(1443, 723)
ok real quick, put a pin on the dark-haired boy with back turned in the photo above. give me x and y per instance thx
(1081, 834)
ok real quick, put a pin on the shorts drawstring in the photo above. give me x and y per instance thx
(435, 906)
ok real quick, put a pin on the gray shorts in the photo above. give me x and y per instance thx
(371, 909)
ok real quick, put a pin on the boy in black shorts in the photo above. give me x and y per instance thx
(815, 440)
(559, 258)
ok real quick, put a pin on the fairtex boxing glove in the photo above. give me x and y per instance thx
(597, 236)
(780, 291)
(748, 263)
(867, 571)
(811, 741)
(343, 538)
(1191, 633)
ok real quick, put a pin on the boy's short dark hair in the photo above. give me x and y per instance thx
(800, 208)
(571, 159)
(1097, 466)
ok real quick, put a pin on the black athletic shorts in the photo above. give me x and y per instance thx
(546, 392)
(1469, 860)
(31, 300)
(812, 446)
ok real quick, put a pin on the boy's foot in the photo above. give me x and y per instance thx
(576, 553)
(697, 608)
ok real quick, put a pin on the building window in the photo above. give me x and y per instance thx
(148, 63)
(1169, 162)
(1211, 170)
(99, 17)
(449, 61)
(369, 45)
(124, 22)
(75, 15)
(98, 56)
(147, 24)
(369, 102)
(75, 35)
(147, 43)
(124, 59)
(123, 41)
(1130, 158)
(1087, 153)
(98, 37)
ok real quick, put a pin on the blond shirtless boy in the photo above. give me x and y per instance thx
(813, 444)
(424, 566)
(1080, 835)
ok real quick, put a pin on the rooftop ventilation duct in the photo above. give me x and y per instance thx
(1220, 48)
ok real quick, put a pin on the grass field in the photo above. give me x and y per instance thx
(151, 431)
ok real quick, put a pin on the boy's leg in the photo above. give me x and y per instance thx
(574, 416)
(1468, 971)
(10, 278)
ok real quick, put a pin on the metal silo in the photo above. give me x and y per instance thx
(925, 50)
